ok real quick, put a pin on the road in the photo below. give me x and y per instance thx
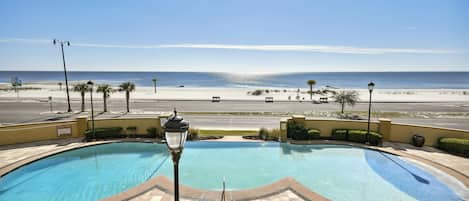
(196, 111)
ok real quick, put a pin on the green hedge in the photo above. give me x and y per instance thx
(339, 134)
(354, 135)
(314, 134)
(299, 132)
(154, 132)
(357, 136)
(454, 145)
(102, 133)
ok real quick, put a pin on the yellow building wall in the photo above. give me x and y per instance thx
(390, 131)
(15, 134)
(142, 124)
(33, 132)
(404, 132)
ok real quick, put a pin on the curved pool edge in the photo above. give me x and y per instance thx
(140, 189)
(464, 179)
(166, 185)
(13, 166)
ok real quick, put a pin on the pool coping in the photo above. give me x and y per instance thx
(464, 179)
(288, 183)
(166, 185)
(13, 166)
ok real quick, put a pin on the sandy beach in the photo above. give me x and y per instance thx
(44, 89)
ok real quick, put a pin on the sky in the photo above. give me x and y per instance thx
(243, 36)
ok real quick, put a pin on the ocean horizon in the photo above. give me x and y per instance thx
(384, 80)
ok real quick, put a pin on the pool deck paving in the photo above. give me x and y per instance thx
(14, 156)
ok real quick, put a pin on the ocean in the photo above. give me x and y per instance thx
(383, 80)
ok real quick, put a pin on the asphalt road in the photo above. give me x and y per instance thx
(31, 111)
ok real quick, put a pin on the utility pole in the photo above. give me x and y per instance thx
(61, 43)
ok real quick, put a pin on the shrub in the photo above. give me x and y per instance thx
(454, 145)
(359, 136)
(273, 134)
(375, 138)
(263, 133)
(339, 134)
(153, 132)
(193, 134)
(299, 132)
(292, 128)
(314, 134)
(131, 130)
(102, 133)
(257, 92)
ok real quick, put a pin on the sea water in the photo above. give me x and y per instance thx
(383, 80)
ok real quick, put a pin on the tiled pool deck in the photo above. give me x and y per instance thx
(286, 189)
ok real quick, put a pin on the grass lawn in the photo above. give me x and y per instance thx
(204, 132)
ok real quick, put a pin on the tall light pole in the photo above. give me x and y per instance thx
(90, 87)
(371, 86)
(50, 103)
(176, 133)
(61, 43)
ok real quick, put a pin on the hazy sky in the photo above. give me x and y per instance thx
(237, 36)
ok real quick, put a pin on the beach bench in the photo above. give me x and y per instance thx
(215, 99)
(269, 99)
(323, 100)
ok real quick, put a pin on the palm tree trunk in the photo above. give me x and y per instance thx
(343, 106)
(127, 94)
(154, 85)
(105, 101)
(82, 101)
(311, 92)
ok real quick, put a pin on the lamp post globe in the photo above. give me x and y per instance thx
(371, 86)
(176, 134)
(90, 87)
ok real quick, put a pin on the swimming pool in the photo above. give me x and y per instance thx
(334, 171)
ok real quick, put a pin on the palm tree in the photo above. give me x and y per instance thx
(311, 83)
(127, 87)
(82, 88)
(154, 83)
(106, 89)
(346, 97)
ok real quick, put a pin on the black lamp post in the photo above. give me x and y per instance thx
(90, 87)
(50, 103)
(371, 86)
(55, 41)
(176, 133)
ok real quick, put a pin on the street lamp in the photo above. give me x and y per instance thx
(176, 133)
(90, 87)
(50, 103)
(371, 86)
(55, 42)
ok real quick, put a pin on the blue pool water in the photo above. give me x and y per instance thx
(336, 172)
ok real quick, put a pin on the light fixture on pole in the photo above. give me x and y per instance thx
(371, 86)
(50, 103)
(90, 87)
(176, 133)
(61, 43)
